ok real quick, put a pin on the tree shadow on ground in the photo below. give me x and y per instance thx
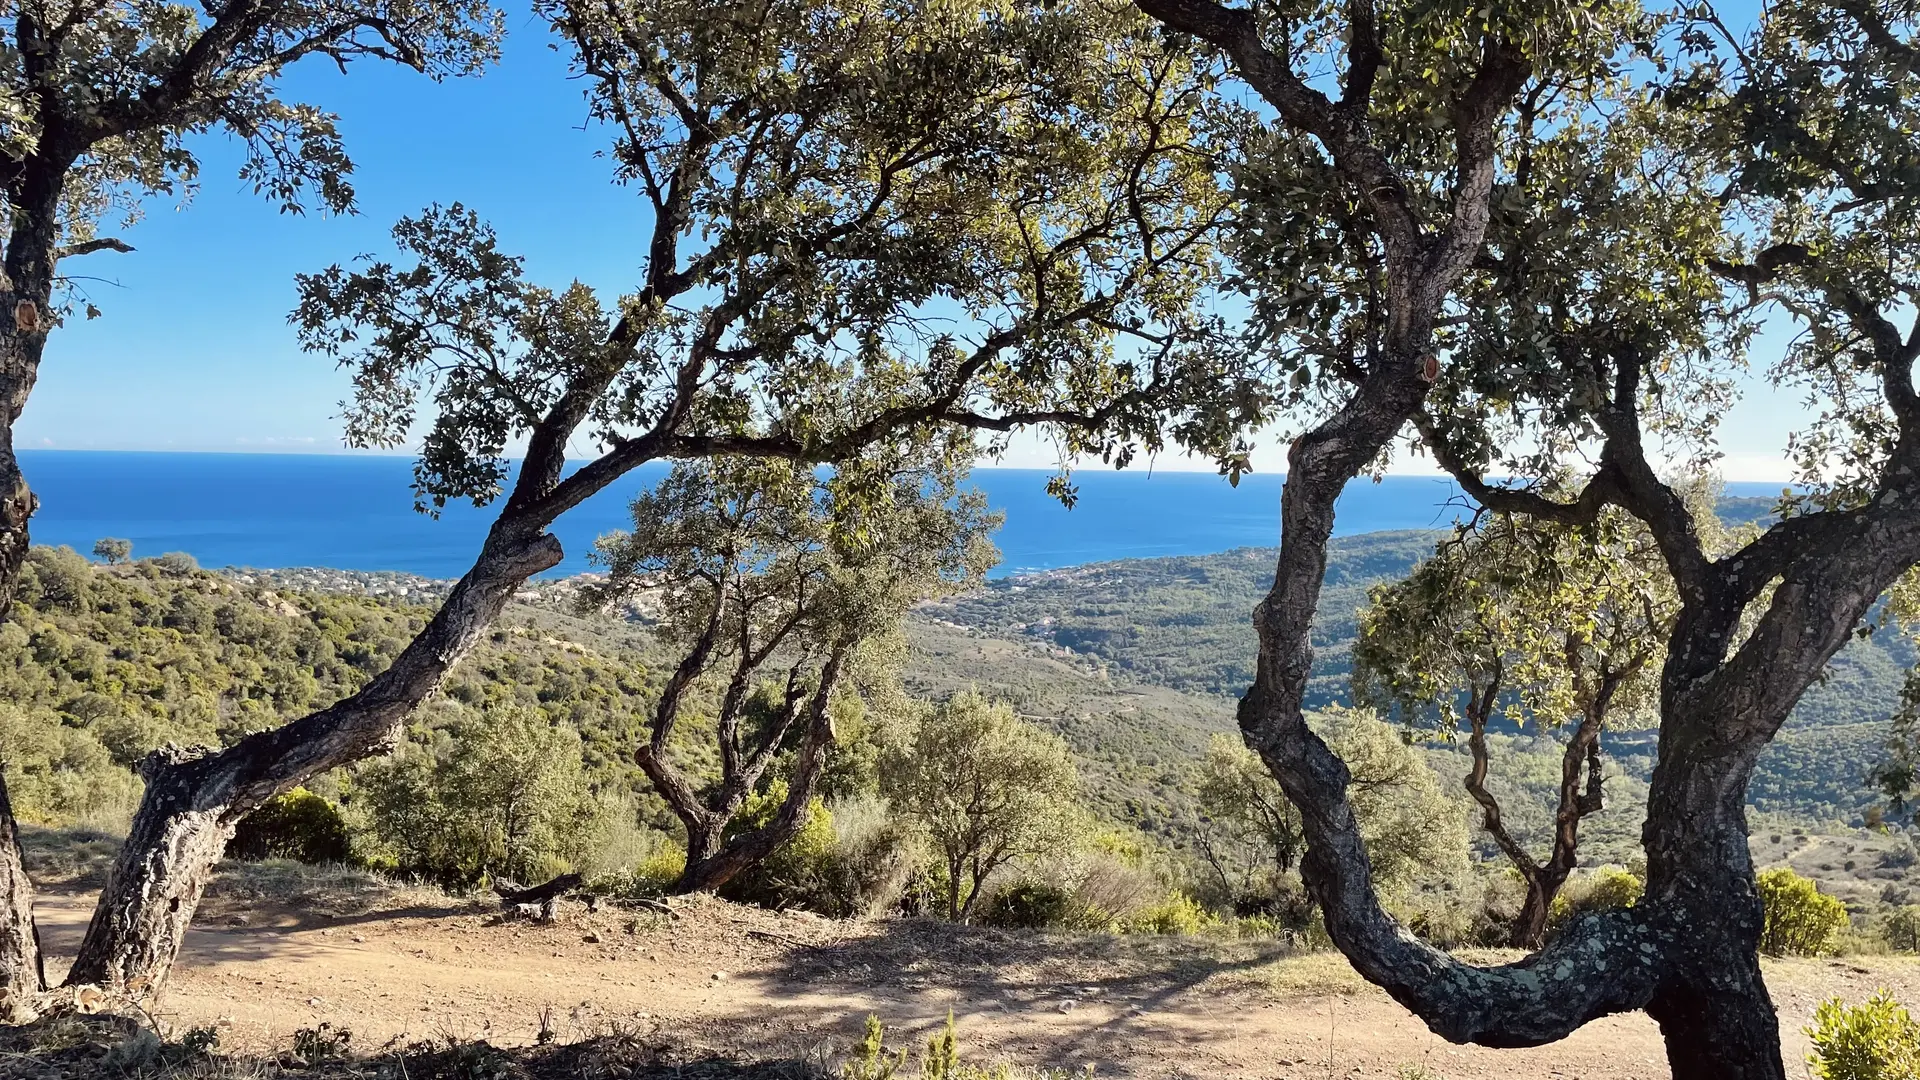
(1103, 988)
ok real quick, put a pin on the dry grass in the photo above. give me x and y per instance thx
(129, 1048)
(323, 891)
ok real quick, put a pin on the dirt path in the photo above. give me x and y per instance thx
(742, 981)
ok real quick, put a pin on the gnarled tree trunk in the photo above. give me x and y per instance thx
(22, 968)
(713, 858)
(25, 297)
(194, 800)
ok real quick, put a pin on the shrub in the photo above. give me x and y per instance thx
(1800, 919)
(1608, 889)
(504, 792)
(177, 562)
(653, 876)
(1901, 928)
(297, 825)
(1874, 1041)
(1031, 905)
(1178, 914)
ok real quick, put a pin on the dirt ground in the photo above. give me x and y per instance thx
(719, 978)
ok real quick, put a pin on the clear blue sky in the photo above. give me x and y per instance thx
(193, 351)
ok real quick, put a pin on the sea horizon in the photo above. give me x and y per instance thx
(279, 510)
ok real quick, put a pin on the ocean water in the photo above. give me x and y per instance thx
(355, 512)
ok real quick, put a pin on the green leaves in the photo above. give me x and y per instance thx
(100, 102)
(867, 215)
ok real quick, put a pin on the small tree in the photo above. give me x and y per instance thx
(986, 787)
(501, 792)
(1409, 823)
(1799, 919)
(112, 550)
(1537, 625)
(767, 573)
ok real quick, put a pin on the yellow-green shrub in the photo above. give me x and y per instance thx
(297, 825)
(1606, 889)
(1874, 1041)
(1800, 919)
(1177, 914)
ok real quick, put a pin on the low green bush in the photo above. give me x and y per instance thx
(654, 875)
(1876, 1040)
(297, 825)
(1800, 919)
(1178, 914)
(1030, 905)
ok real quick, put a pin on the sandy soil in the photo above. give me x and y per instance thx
(724, 979)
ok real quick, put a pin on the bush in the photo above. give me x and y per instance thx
(653, 876)
(1901, 928)
(297, 825)
(796, 872)
(1874, 1041)
(177, 562)
(504, 793)
(1031, 905)
(1178, 914)
(1608, 889)
(1800, 919)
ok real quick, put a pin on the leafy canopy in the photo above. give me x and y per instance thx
(864, 214)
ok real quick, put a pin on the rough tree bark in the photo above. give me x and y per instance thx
(1605, 964)
(73, 119)
(22, 968)
(195, 799)
(25, 296)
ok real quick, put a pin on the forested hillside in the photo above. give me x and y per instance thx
(1134, 663)
(1185, 624)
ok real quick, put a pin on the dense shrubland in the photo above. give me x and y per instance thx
(523, 769)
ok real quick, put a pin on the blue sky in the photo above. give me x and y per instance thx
(193, 351)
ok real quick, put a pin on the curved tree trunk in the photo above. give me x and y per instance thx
(193, 801)
(22, 967)
(25, 298)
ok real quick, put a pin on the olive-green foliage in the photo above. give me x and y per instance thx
(1181, 622)
(985, 787)
(176, 562)
(100, 665)
(1412, 827)
(1029, 904)
(1876, 1040)
(1901, 928)
(870, 1059)
(1606, 889)
(502, 792)
(1178, 914)
(112, 550)
(60, 775)
(296, 825)
(1800, 919)
(798, 870)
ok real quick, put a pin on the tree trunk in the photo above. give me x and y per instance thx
(22, 968)
(1530, 928)
(721, 860)
(1713, 1006)
(194, 800)
(25, 294)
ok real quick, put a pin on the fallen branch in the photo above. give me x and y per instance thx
(539, 894)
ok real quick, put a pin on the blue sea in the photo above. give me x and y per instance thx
(354, 512)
